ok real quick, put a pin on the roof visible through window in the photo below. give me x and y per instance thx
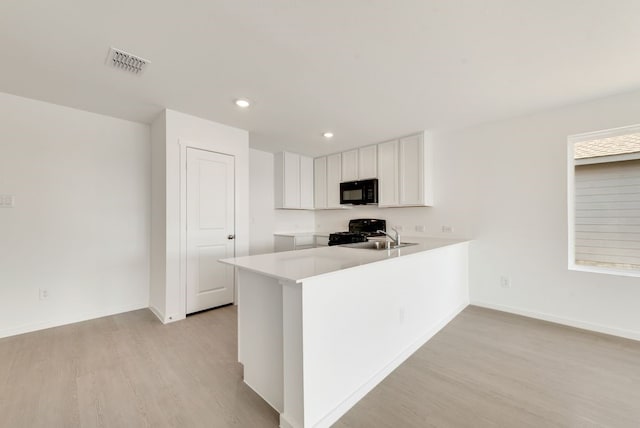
(610, 146)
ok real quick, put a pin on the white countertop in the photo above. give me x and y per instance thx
(294, 234)
(302, 264)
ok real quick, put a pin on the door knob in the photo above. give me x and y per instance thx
(231, 237)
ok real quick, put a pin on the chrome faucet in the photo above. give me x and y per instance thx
(396, 240)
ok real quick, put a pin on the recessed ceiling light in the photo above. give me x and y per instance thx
(241, 102)
(328, 135)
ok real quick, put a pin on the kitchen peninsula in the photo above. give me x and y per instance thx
(319, 328)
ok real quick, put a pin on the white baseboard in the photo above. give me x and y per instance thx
(173, 318)
(285, 423)
(27, 328)
(165, 319)
(627, 334)
(262, 396)
(347, 404)
(157, 313)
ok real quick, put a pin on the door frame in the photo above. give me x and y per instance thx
(184, 145)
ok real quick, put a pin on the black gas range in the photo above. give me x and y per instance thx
(359, 230)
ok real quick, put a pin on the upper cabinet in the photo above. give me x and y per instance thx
(334, 177)
(405, 172)
(359, 164)
(327, 177)
(293, 177)
(402, 166)
(412, 164)
(350, 165)
(320, 182)
(306, 182)
(388, 178)
(367, 162)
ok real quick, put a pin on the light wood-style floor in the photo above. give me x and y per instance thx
(485, 369)
(492, 369)
(130, 371)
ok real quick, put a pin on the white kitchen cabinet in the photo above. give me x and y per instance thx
(350, 165)
(306, 183)
(347, 317)
(293, 180)
(359, 164)
(334, 177)
(415, 171)
(327, 176)
(293, 241)
(388, 187)
(367, 162)
(320, 182)
(405, 172)
(403, 168)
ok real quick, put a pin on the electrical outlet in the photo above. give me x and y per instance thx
(447, 229)
(43, 294)
(421, 228)
(505, 282)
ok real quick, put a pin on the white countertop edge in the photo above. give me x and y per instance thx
(261, 272)
(237, 261)
(387, 260)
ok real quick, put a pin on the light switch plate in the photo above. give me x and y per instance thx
(7, 201)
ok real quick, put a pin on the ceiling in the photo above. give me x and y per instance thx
(368, 70)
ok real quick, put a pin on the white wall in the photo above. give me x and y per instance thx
(264, 218)
(80, 226)
(407, 218)
(182, 131)
(158, 270)
(516, 196)
(294, 221)
(504, 184)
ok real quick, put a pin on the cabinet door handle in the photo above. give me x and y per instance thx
(231, 237)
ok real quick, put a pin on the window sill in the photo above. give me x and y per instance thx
(605, 270)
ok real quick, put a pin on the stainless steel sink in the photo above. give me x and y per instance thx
(378, 245)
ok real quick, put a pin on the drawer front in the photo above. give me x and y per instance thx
(304, 240)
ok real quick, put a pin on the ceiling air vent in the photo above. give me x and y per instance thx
(126, 61)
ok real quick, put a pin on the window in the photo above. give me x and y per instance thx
(604, 201)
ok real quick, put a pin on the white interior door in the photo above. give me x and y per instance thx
(210, 229)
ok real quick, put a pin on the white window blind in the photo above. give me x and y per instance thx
(607, 214)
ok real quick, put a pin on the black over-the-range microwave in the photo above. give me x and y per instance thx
(359, 192)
